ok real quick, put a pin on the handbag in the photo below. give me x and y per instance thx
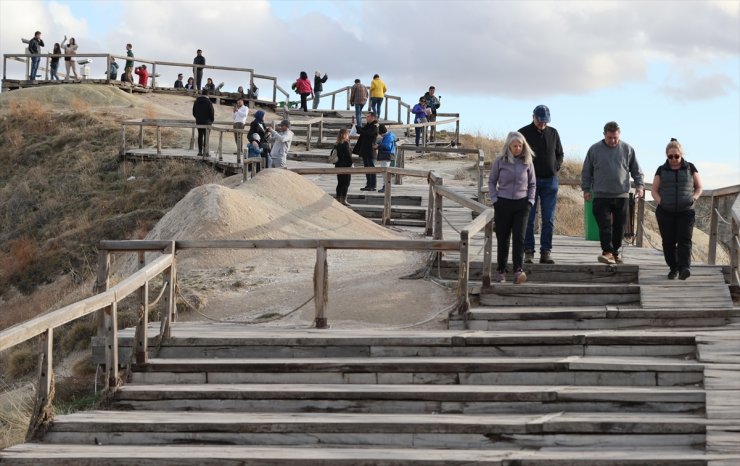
(333, 156)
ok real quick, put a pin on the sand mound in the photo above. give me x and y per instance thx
(64, 95)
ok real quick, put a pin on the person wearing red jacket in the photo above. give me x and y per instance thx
(143, 75)
(303, 87)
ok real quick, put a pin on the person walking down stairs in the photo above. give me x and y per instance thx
(512, 186)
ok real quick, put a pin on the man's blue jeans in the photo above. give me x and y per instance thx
(316, 99)
(375, 104)
(34, 67)
(546, 198)
(358, 114)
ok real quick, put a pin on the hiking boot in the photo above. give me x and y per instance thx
(672, 274)
(528, 257)
(381, 190)
(684, 274)
(545, 258)
(519, 277)
(617, 259)
(365, 189)
(499, 277)
(606, 258)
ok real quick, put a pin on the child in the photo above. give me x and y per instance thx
(512, 186)
(254, 149)
(386, 151)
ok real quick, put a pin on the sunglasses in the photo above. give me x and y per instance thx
(673, 156)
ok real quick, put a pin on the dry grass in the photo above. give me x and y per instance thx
(16, 405)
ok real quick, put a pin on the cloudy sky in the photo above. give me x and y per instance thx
(661, 69)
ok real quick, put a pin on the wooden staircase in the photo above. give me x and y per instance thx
(224, 394)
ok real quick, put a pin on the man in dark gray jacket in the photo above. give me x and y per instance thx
(606, 178)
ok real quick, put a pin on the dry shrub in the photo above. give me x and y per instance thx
(22, 361)
(16, 405)
(22, 252)
(78, 336)
(79, 105)
(33, 117)
(14, 138)
(491, 147)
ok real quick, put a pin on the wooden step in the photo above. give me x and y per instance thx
(378, 199)
(552, 273)
(563, 294)
(571, 370)
(384, 398)
(374, 430)
(591, 317)
(397, 212)
(39, 454)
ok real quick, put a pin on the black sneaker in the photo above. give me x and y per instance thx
(546, 258)
(365, 189)
(528, 257)
(672, 274)
(684, 274)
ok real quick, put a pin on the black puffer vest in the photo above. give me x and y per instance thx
(676, 188)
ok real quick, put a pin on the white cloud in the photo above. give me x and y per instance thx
(65, 21)
(694, 87)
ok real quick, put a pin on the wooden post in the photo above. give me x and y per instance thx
(140, 345)
(192, 138)
(735, 253)
(487, 253)
(46, 66)
(387, 199)
(154, 74)
(108, 61)
(42, 409)
(308, 136)
(320, 288)
(102, 283)
(321, 130)
(438, 215)
(159, 140)
(640, 233)
(400, 163)
(430, 211)
(457, 131)
(713, 231)
(111, 346)
(463, 300)
(220, 145)
(170, 281)
(424, 136)
(141, 135)
(206, 145)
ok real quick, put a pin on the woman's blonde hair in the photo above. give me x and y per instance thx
(674, 144)
(527, 151)
(342, 133)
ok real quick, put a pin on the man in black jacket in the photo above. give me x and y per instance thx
(545, 142)
(318, 87)
(366, 147)
(204, 115)
(198, 71)
(34, 48)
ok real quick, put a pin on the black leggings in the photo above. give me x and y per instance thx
(304, 103)
(343, 185)
(676, 231)
(510, 220)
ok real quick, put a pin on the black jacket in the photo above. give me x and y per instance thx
(676, 187)
(344, 155)
(34, 45)
(547, 149)
(317, 82)
(256, 127)
(203, 110)
(368, 137)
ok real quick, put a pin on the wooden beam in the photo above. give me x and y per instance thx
(42, 410)
(713, 231)
(321, 288)
(140, 336)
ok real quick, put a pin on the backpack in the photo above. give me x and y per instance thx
(333, 155)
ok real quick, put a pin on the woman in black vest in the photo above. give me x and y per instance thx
(676, 187)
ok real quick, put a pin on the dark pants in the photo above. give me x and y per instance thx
(546, 196)
(201, 140)
(198, 78)
(238, 137)
(371, 177)
(676, 230)
(343, 185)
(304, 102)
(510, 220)
(610, 214)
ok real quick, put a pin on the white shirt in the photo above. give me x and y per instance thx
(240, 116)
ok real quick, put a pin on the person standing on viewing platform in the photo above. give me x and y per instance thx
(129, 68)
(605, 178)
(113, 70)
(281, 138)
(377, 94)
(204, 115)
(676, 187)
(34, 48)
(511, 186)
(241, 112)
(303, 87)
(70, 50)
(198, 70)
(433, 104)
(54, 66)
(548, 157)
(178, 82)
(358, 98)
(190, 85)
(143, 74)
(210, 87)
(366, 146)
(318, 88)
(344, 160)
(421, 112)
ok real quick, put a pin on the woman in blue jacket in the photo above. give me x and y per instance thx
(420, 112)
